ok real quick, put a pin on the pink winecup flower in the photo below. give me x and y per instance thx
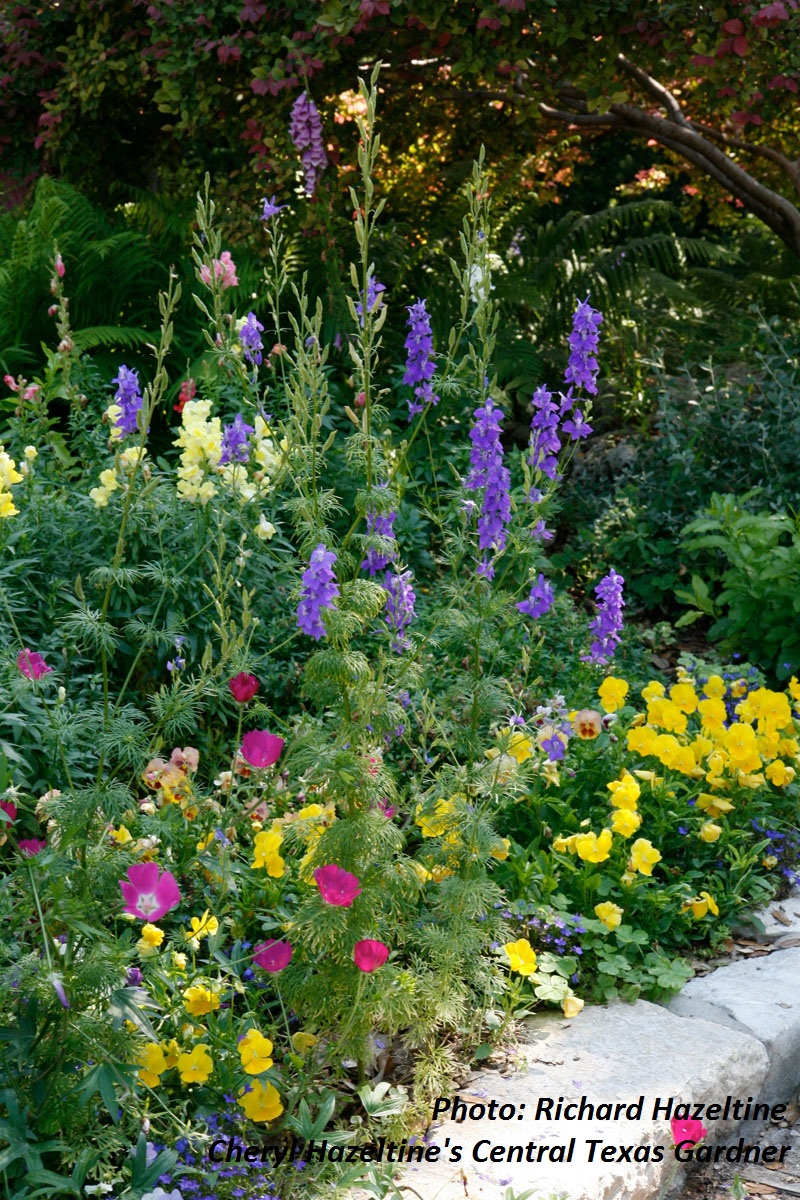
(243, 687)
(369, 955)
(337, 886)
(687, 1131)
(10, 809)
(261, 749)
(273, 956)
(31, 846)
(31, 664)
(149, 894)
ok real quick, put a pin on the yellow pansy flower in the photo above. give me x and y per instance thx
(715, 687)
(592, 848)
(653, 691)
(571, 1006)
(610, 914)
(255, 1051)
(684, 697)
(612, 693)
(436, 823)
(195, 1066)
(565, 844)
(500, 851)
(178, 961)
(642, 740)
(519, 746)
(205, 926)
(625, 792)
(700, 905)
(266, 848)
(521, 956)
(710, 832)
(644, 856)
(625, 821)
(778, 773)
(121, 835)
(713, 806)
(261, 1102)
(666, 715)
(152, 935)
(152, 1064)
(199, 1000)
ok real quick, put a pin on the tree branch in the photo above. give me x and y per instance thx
(676, 133)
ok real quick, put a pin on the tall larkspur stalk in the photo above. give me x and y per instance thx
(373, 314)
(153, 393)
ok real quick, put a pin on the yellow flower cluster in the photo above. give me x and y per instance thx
(109, 479)
(200, 442)
(9, 475)
(194, 1066)
(687, 733)
(625, 820)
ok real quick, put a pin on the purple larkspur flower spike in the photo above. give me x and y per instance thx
(399, 607)
(420, 364)
(128, 397)
(234, 441)
(540, 600)
(582, 369)
(607, 624)
(488, 474)
(320, 589)
(250, 337)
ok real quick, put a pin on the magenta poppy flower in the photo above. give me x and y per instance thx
(273, 956)
(337, 886)
(31, 664)
(261, 749)
(369, 955)
(149, 894)
(30, 847)
(10, 809)
(692, 1131)
(243, 687)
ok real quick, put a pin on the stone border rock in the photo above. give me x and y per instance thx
(730, 1036)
